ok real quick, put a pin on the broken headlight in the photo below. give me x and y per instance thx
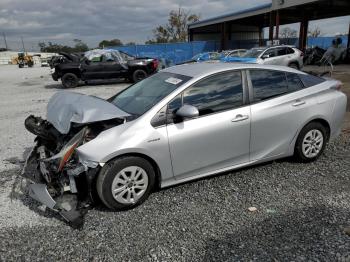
(67, 151)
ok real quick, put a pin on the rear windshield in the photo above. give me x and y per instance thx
(310, 80)
(254, 52)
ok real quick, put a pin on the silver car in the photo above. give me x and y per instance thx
(183, 123)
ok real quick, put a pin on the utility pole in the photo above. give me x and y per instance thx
(3, 33)
(24, 50)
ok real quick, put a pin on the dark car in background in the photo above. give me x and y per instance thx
(100, 65)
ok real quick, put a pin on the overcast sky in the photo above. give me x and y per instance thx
(61, 21)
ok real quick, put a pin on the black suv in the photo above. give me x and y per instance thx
(102, 64)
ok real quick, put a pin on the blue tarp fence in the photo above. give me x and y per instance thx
(174, 53)
(324, 42)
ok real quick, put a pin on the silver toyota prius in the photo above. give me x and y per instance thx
(183, 123)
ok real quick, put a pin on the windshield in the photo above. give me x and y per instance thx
(196, 57)
(126, 56)
(253, 52)
(142, 96)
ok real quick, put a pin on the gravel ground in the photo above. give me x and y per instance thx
(302, 210)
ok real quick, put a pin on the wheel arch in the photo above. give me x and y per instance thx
(149, 159)
(294, 62)
(71, 71)
(323, 122)
(317, 119)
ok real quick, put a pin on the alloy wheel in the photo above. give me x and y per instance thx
(312, 143)
(129, 185)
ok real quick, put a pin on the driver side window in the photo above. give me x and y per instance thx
(213, 94)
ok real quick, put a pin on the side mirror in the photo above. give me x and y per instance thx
(265, 56)
(187, 111)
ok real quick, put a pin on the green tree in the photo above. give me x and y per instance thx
(79, 46)
(176, 28)
(316, 32)
(288, 32)
(113, 42)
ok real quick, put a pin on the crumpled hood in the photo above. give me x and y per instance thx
(239, 59)
(65, 107)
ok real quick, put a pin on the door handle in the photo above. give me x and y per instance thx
(298, 103)
(240, 118)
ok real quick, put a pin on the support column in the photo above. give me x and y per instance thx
(271, 25)
(349, 37)
(261, 36)
(277, 25)
(223, 36)
(190, 35)
(303, 33)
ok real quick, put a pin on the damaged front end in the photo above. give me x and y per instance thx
(61, 180)
(59, 171)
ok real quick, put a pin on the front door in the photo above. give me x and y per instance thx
(219, 137)
(94, 68)
(111, 66)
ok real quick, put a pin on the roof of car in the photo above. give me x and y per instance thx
(202, 69)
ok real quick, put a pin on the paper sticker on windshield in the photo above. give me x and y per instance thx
(173, 80)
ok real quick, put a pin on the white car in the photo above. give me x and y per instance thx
(275, 55)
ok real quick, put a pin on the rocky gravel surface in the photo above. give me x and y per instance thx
(278, 211)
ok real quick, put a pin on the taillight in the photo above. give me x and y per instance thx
(338, 86)
(155, 64)
(301, 54)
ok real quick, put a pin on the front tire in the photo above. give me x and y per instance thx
(70, 80)
(125, 182)
(311, 142)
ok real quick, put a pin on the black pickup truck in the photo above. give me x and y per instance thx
(102, 64)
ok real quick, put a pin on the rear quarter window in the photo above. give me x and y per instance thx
(294, 82)
(310, 80)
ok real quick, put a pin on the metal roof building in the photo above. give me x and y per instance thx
(247, 26)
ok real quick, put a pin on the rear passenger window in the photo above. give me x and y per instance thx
(294, 82)
(290, 51)
(216, 93)
(268, 84)
(310, 80)
(281, 51)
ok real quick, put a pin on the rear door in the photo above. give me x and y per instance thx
(219, 137)
(279, 106)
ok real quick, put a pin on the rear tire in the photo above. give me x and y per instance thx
(70, 80)
(125, 182)
(311, 142)
(294, 65)
(139, 75)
